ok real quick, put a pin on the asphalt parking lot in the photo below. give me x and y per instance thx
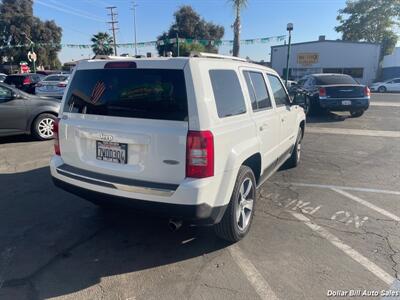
(330, 225)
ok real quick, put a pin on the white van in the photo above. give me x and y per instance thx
(189, 137)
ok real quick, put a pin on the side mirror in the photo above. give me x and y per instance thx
(14, 95)
(299, 99)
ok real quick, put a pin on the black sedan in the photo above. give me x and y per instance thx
(335, 92)
(22, 113)
(25, 82)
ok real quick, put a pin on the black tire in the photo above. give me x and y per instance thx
(356, 114)
(294, 158)
(307, 106)
(229, 227)
(41, 122)
(382, 89)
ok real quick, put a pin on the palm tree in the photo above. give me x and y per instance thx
(238, 5)
(102, 44)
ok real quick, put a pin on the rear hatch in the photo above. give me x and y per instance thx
(127, 122)
(345, 91)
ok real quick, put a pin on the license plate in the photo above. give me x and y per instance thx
(346, 102)
(111, 152)
(50, 88)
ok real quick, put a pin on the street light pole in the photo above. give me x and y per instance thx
(289, 28)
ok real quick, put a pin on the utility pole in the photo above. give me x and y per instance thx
(134, 23)
(289, 28)
(113, 28)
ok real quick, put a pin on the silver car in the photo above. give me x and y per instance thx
(52, 86)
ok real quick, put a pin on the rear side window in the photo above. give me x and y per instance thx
(258, 90)
(227, 93)
(280, 95)
(131, 93)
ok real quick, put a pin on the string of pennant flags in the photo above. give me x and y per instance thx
(158, 43)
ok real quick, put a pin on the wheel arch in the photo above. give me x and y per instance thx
(254, 163)
(37, 115)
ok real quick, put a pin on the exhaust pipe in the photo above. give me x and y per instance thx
(174, 224)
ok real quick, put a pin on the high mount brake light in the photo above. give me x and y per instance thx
(120, 65)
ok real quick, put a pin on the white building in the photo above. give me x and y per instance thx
(391, 65)
(360, 60)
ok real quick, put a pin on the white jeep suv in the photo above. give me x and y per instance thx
(190, 137)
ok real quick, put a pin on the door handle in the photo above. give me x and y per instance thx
(263, 126)
(283, 119)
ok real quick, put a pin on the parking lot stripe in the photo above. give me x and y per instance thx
(346, 131)
(368, 204)
(388, 104)
(262, 287)
(348, 188)
(355, 255)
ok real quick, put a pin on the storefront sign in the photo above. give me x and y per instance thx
(307, 59)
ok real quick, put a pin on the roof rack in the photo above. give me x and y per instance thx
(111, 57)
(213, 55)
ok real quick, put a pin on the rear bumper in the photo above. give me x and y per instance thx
(201, 214)
(198, 201)
(337, 105)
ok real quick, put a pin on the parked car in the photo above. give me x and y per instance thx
(2, 77)
(22, 113)
(191, 138)
(391, 85)
(25, 82)
(52, 86)
(335, 92)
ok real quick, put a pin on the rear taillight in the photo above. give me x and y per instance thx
(62, 85)
(27, 80)
(57, 149)
(322, 92)
(199, 154)
(367, 92)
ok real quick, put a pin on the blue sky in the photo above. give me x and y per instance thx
(261, 18)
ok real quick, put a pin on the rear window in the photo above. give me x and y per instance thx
(131, 93)
(334, 79)
(14, 79)
(55, 78)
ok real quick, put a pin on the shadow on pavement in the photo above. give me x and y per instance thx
(16, 139)
(53, 243)
(326, 117)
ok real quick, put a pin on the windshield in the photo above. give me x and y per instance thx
(334, 79)
(131, 93)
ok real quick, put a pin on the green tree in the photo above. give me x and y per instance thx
(188, 24)
(371, 21)
(238, 5)
(17, 24)
(102, 44)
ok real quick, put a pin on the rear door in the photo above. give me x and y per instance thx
(128, 122)
(287, 114)
(12, 112)
(264, 115)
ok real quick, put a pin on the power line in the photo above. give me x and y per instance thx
(68, 11)
(134, 5)
(113, 22)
